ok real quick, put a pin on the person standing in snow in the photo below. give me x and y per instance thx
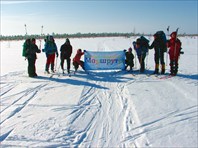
(31, 49)
(160, 47)
(51, 50)
(66, 51)
(141, 47)
(129, 59)
(174, 45)
(77, 61)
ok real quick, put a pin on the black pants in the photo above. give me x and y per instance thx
(159, 57)
(129, 63)
(142, 63)
(174, 67)
(76, 65)
(68, 63)
(31, 67)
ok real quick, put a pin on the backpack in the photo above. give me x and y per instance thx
(162, 37)
(144, 43)
(25, 47)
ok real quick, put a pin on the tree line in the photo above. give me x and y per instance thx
(79, 35)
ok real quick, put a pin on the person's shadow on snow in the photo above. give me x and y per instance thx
(72, 82)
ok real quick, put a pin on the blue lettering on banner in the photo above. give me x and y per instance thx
(104, 60)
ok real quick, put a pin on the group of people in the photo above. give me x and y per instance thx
(160, 45)
(141, 46)
(50, 48)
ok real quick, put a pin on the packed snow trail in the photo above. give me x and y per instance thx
(103, 109)
(103, 115)
(111, 109)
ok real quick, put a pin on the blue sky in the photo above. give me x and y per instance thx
(98, 16)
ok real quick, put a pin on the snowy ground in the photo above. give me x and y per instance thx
(102, 109)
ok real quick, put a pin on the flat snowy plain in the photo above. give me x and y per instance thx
(102, 109)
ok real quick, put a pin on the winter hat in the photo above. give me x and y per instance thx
(173, 34)
(33, 39)
(79, 51)
(130, 49)
(67, 41)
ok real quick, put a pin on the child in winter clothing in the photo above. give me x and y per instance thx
(66, 51)
(159, 47)
(174, 45)
(50, 50)
(77, 61)
(129, 59)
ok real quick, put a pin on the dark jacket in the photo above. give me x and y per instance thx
(66, 51)
(129, 57)
(32, 50)
(158, 45)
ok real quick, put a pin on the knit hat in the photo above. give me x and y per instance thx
(67, 41)
(173, 34)
(130, 49)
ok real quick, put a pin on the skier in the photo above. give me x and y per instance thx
(50, 49)
(174, 45)
(31, 49)
(141, 47)
(77, 61)
(159, 45)
(66, 51)
(129, 59)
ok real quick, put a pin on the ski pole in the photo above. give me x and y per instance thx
(141, 62)
(135, 60)
(56, 63)
(41, 37)
(147, 60)
(25, 29)
(175, 43)
(167, 49)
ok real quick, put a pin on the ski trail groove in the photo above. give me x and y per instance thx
(25, 98)
(111, 107)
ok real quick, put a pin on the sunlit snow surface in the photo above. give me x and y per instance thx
(100, 109)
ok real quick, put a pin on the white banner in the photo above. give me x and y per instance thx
(104, 60)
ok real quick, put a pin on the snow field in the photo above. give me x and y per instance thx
(102, 109)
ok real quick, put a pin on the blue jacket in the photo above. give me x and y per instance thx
(50, 48)
(141, 51)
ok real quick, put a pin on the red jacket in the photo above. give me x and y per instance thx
(174, 46)
(78, 56)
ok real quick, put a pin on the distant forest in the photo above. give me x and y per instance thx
(79, 35)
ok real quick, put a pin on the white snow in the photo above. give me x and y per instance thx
(102, 109)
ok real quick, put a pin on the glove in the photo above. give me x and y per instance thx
(43, 50)
(134, 43)
(84, 50)
(124, 50)
(57, 54)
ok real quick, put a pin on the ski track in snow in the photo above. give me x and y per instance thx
(108, 111)
(106, 98)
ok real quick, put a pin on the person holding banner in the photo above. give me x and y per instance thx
(129, 59)
(77, 61)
